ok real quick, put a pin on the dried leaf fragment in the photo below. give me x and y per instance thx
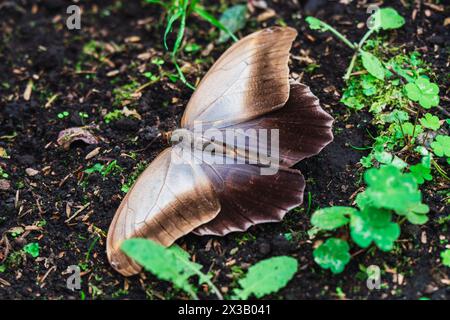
(68, 136)
(31, 172)
(3, 153)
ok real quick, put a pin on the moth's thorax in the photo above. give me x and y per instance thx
(186, 138)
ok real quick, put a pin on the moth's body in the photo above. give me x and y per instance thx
(248, 87)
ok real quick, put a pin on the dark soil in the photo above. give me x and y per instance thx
(35, 44)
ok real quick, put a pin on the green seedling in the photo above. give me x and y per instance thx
(83, 115)
(32, 249)
(63, 115)
(125, 93)
(382, 19)
(173, 264)
(430, 122)
(177, 11)
(421, 173)
(3, 174)
(424, 92)
(441, 146)
(192, 47)
(170, 264)
(136, 173)
(333, 254)
(113, 115)
(445, 256)
(389, 192)
(104, 170)
(374, 225)
(266, 277)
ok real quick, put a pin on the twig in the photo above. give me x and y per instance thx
(77, 212)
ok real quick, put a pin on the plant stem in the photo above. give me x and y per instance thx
(339, 35)
(351, 66)
(364, 38)
(439, 169)
(357, 51)
(214, 288)
(181, 75)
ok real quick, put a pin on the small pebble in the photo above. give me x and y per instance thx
(4, 185)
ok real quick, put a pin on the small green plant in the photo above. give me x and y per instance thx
(396, 90)
(424, 92)
(104, 170)
(114, 115)
(266, 277)
(136, 173)
(430, 122)
(170, 264)
(177, 11)
(445, 256)
(389, 191)
(125, 93)
(441, 146)
(32, 249)
(63, 115)
(3, 174)
(83, 115)
(382, 19)
(173, 264)
(333, 254)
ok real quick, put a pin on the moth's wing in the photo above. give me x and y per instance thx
(248, 198)
(304, 128)
(248, 80)
(170, 199)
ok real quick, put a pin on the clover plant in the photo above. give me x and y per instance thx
(390, 196)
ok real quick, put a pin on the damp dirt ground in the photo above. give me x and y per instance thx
(36, 46)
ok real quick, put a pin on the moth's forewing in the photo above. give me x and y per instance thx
(248, 80)
(170, 199)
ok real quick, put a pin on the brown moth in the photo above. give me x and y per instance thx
(247, 87)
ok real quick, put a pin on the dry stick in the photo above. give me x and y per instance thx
(77, 212)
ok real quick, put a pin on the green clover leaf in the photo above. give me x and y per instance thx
(331, 218)
(372, 65)
(424, 92)
(385, 157)
(389, 188)
(421, 173)
(32, 249)
(445, 255)
(407, 129)
(441, 146)
(333, 254)
(374, 225)
(395, 116)
(416, 214)
(431, 122)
